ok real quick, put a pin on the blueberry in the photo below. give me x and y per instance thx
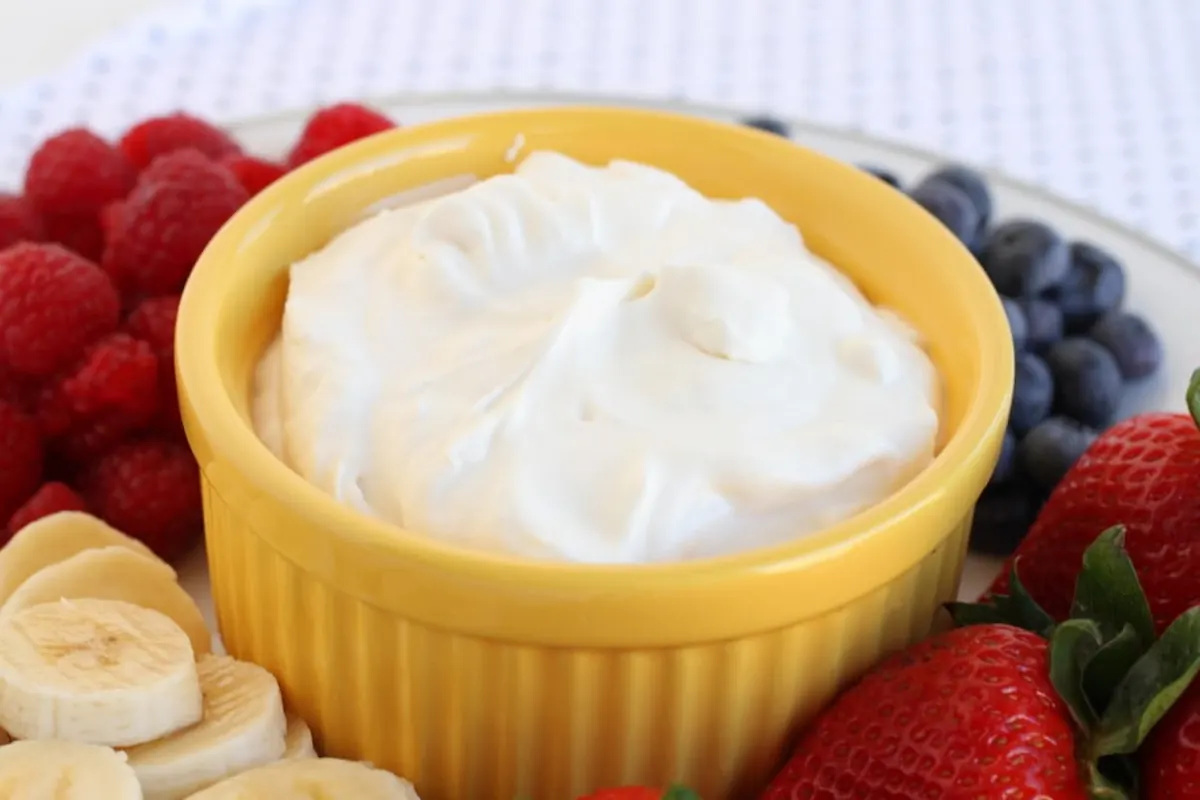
(887, 176)
(1006, 463)
(1087, 381)
(1003, 515)
(1025, 258)
(971, 183)
(1049, 451)
(950, 206)
(1016, 322)
(1033, 393)
(1132, 341)
(1093, 286)
(1043, 324)
(769, 124)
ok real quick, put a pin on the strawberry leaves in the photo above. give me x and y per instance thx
(1193, 396)
(680, 793)
(1116, 679)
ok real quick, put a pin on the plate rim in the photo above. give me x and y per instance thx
(1167, 252)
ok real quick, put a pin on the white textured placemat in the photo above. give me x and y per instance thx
(1098, 100)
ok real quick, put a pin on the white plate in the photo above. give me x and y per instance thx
(1163, 285)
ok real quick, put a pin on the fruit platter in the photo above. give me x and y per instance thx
(1064, 670)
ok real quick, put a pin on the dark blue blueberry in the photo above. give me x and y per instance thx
(1025, 258)
(1006, 463)
(887, 176)
(1093, 286)
(1033, 393)
(765, 122)
(1016, 322)
(1003, 515)
(950, 206)
(971, 183)
(1087, 381)
(1132, 341)
(1043, 324)
(1049, 451)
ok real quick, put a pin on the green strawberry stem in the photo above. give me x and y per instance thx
(680, 793)
(1116, 679)
(1193, 396)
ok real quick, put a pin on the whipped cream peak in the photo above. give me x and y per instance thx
(592, 364)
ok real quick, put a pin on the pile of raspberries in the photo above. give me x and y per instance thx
(93, 258)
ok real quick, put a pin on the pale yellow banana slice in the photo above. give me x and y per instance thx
(55, 538)
(243, 727)
(115, 573)
(312, 779)
(57, 770)
(299, 740)
(96, 671)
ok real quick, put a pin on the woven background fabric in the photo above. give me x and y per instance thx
(1097, 100)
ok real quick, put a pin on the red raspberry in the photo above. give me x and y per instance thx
(75, 173)
(333, 127)
(158, 136)
(21, 458)
(50, 499)
(110, 218)
(180, 201)
(153, 321)
(255, 174)
(52, 304)
(115, 385)
(150, 489)
(19, 221)
(79, 233)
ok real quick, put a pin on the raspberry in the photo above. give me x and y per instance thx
(153, 321)
(52, 304)
(75, 173)
(110, 217)
(114, 385)
(21, 458)
(150, 489)
(158, 136)
(79, 233)
(254, 174)
(50, 499)
(333, 127)
(180, 201)
(19, 221)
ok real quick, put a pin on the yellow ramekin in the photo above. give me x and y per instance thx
(479, 676)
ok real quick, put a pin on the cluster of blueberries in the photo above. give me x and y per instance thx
(1076, 347)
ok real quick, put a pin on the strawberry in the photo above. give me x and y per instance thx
(1171, 757)
(642, 793)
(1012, 705)
(1142, 473)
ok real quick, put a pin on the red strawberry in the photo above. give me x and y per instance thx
(158, 136)
(642, 793)
(334, 127)
(1012, 706)
(180, 201)
(1171, 757)
(1142, 473)
(970, 713)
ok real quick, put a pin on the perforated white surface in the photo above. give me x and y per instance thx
(1098, 100)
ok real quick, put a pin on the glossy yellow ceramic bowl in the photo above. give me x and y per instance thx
(478, 676)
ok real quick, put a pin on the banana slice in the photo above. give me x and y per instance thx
(243, 727)
(56, 770)
(96, 671)
(312, 779)
(115, 573)
(299, 740)
(55, 538)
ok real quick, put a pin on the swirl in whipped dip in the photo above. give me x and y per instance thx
(592, 364)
